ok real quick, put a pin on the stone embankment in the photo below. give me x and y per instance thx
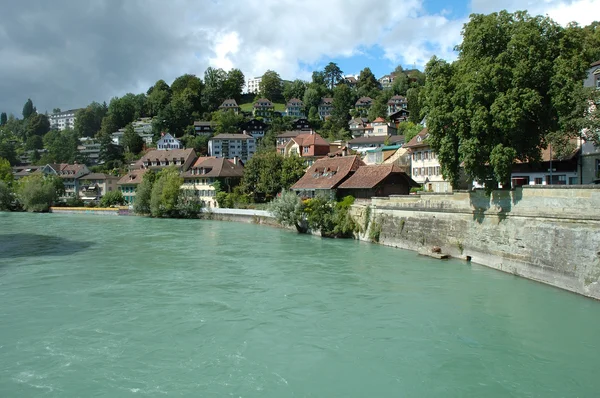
(547, 234)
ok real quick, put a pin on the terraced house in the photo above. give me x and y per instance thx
(230, 105)
(294, 108)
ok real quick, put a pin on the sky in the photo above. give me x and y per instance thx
(68, 53)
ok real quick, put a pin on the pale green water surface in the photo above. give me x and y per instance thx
(100, 306)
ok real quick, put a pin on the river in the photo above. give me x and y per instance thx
(110, 306)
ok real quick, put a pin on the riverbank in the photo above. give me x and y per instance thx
(546, 234)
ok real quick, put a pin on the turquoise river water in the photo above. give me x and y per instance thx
(104, 306)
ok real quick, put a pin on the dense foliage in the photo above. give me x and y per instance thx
(112, 198)
(37, 192)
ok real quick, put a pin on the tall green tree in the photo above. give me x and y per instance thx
(28, 109)
(132, 142)
(88, 120)
(271, 86)
(6, 174)
(38, 192)
(262, 176)
(37, 124)
(8, 152)
(343, 101)
(413, 97)
(295, 89)
(333, 75)
(509, 90)
(165, 193)
(123, 110)
(158, 96)
(379, 107)
(234, 84)
(367, 85)
(143, 193)
(227, 122)
(292, 169)
(3, 118)
(214, 93)
(61, 146)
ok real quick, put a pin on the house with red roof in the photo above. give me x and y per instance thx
(206, 171)
(325, 176)
(377, 180)
(306, 145)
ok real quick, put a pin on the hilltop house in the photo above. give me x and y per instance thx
(167, 141)
(363, 104)
(301, 124)
(63, 120)
(201, 177)
(381, 127)
(230, 105)
(386, 81)
(230, 146)
(399, 116)
(256, 128)
(263, 108)
(294, 108)
(325, 176)
(325, 107)
(396, 103)
(377, 180)
(203, 127)
(360, 127)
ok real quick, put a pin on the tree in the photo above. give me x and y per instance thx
(288, 210)
(213, 94)
(190, 87)
(262, 176)
(61, 146)
(3, 118)
(55, 110)
(143, 193)
(6, 196)
(295, 89)
(37, 192)
(6, 174)
(367, 85)
(292, 169)
(380, 106)
(37, 124)
(400, 84)
(513, 85)
(124, 110)
(413, 97)
(88, 121)
(343, 101)
(333, 75)
(271, 86)
(198, 143)
(34, 142)
(158, 97)
(234, 84)
(8, 152)
(312, 99)
(132, 142)
(165, 193)
(112, 198)
(28, 109)
(409, 130)
(227, 122)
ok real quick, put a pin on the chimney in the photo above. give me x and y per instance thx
(236, 160)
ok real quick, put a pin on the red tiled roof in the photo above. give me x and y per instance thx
(215, 167)
(418, 140)
(367, 177)
(328, 173)
(379, 120)
(308, 139)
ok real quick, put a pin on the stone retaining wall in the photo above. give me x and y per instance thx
(550, 234)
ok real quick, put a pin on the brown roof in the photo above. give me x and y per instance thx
(379, 120)
(595, 63)
(294, 101)
(240, 136)
(229, 103)
(133, 177)
(328, 173)
(203, 123)
(168, 154)
(291, 134)
(364, 101)
(367, 177)
(377, 139)
(97, 176)
(308, 139)
(326, 101)
(546, 153)
(257, 105)
(214, 167)
(351, 79)
(418, 140)
(397, 98)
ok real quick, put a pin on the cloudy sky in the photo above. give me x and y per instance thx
(67, 53)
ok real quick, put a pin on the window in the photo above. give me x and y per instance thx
(306, 149)
(538, 181)
(573, 181)
(425, 155)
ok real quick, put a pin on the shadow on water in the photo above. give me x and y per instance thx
(33, 245)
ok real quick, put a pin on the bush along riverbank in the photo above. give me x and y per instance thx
(328, 217)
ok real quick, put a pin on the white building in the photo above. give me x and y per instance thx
(425, 166)
(63, 120)
(167, 141)
(141, 126)
(253, 85)
(231, 146)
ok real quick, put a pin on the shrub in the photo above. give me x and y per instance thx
(112, 198)
(288, 210)
(37, 192)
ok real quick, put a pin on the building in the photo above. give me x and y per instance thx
(129, 182)
(301, 124)
(382, 154)
(325, 176)
(562, 170)
(253, 85)
(590, 153)
(377, 180)
(94, 186)
(263, 108)
(159, 159)
(381, 127)
(90, 150)
(205, 128)
(285, 137)
(167, 141)
(256, 128)
(400, 116)
(307, 145)
(325, 107)
(351, 80)
(143, 128)
(200, 178)
(386, 81)
(396, 103)
(70, 175)
(363, 104)
(294, 108)
(230, 146)
(360, 127)
(230, 105)
(425, 167)
(362, 144)
(63, 120)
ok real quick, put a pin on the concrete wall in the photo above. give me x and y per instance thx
(240, 215)
(547, 234)
(103, 211)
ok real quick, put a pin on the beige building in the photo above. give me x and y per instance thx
(94, 186)
(206, 171)
(425, 167)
